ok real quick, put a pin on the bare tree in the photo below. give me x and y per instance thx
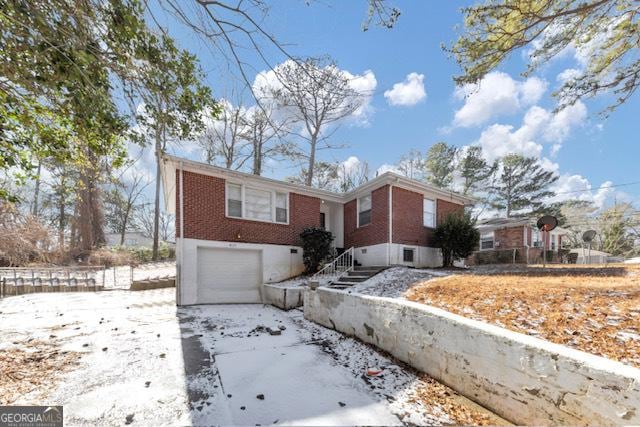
(352, 175)
(412, 165)
(122, 202)
(144, 220)
(223, 138)
(316, 95)
(264, 132)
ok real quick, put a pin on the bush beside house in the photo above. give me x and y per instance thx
(457, 237)
(316, 245)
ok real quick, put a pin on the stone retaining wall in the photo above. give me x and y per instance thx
(523, 379)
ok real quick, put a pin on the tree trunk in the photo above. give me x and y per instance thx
(312, 160)
(61, 212)
(257, 158)
(125, 220)
(156, 214)
(36, 191)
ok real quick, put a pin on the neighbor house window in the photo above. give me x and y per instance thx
(282, 207)
(429, 213)
(234, 200)
(407, 255)
(486, 241)
(364, 210)
(257, 204)
(536, 238)
(323, 220)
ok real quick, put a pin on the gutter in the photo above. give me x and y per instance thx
(390, 225)
(181, 257)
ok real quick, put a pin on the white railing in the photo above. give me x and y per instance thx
(336, 268)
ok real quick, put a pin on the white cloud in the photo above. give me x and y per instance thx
(496, 94)
(568, 74)
(561, 124)
(364, 84)
(387, 168)
(499, 140)
(407, 93)
(539, 126)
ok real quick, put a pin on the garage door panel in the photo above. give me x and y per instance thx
(229, 275)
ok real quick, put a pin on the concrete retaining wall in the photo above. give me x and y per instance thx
(283, 297)
(521, 378)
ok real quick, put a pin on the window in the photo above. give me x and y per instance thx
(429, 213)
(364, 210)
(407, 255)
(486, 241)
(536, 239)
(282, 207)
(554, 238)
(234, 200)
(323, 220)
(257, 204)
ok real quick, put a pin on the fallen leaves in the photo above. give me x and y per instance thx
(596, 313)
(31, 366)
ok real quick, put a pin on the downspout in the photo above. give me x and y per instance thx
(179, 284)
(390, 224)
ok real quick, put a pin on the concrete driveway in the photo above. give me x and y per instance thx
(121, 357)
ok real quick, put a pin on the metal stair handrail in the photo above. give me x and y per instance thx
(340, 265)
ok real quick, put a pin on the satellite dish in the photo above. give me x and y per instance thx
(588, 236)
(547, 223)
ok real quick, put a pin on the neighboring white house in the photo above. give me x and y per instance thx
(131, 239)
(586, 256)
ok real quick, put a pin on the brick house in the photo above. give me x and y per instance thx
(518, 236)
(237, 231)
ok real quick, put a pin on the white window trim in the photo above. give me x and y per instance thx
(358, 209)
(435, 210)
(493, 239)
(273, 193)
(415, 254)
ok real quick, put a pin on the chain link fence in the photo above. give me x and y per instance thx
(17, 281)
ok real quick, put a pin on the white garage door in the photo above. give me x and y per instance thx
(229, 275)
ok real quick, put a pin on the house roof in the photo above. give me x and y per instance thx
(170, 164)
(491, 224)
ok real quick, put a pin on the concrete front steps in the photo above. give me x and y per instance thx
(357, 275)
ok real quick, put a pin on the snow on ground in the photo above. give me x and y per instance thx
(133, 357)
(394, 281)
(292, 283)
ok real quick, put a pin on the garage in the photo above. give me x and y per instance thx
(229, 275)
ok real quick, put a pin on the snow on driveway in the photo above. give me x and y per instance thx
(125, 357)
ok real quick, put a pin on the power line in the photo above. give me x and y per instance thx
(600, 188)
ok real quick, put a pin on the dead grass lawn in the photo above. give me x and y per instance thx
(594, 312)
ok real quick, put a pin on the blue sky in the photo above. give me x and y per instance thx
(592, 152)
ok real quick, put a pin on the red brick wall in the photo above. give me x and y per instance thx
(445, 208)
(510, 237)
(408, 221)
(374, 233)
(204, 212)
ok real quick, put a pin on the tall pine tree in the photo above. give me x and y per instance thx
(522, 185)
(440, 164)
